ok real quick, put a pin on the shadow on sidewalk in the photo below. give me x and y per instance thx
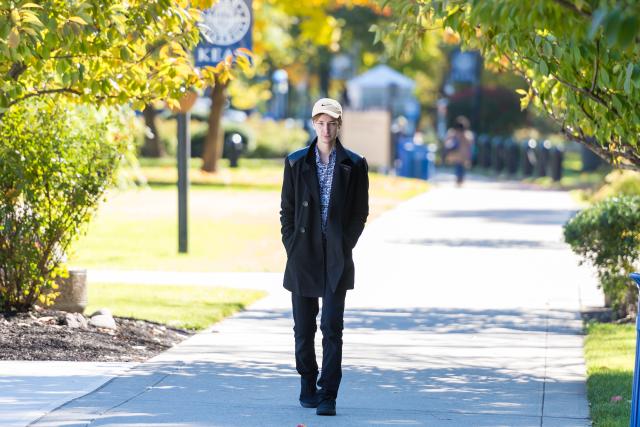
(405, 366)
(483, 243)
(444, 320)
(247, 394)
(513, 216)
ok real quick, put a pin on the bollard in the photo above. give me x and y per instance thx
(635, 416)
(513, 157)
(486, 158)
(497, 159)
(556, 156)
(528, 157)
(480, 150)
(235, 148)
(542, 158)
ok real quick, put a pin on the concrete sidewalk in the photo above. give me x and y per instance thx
(465, 313)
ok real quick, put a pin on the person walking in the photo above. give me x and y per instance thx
(324, 207)
(458, 147)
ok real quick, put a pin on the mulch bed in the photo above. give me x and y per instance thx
(43, 335)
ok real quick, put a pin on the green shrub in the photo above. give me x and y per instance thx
(607, 235)
(57, 160)
(275, 138)
(168, 133)
(618, 183)
(265, 138)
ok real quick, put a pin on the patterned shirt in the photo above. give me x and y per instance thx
(325, 179)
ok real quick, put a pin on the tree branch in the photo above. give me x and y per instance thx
(579, 136)
(584, 110)
(587, 92)
(41, 92)
(16, 69)
(595, 67)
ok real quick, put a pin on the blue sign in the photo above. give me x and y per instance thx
(224, 28)
(465, 66)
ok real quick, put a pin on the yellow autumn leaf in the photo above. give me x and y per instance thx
(77, 20)
(173, 104)
(15, 16)
(245, 51)
(14, 38)
(31, 18)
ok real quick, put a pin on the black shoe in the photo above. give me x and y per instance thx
(326, 407)
(310, 401)
(309, 397)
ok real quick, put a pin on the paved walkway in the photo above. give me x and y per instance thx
(465, 313)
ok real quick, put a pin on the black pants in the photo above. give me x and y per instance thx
(305, 310)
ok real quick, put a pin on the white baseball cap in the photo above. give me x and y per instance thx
(327, 106)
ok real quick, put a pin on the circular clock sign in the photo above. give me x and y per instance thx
(227, 22)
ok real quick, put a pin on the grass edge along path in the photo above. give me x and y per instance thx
(609, 354)
(179, 306)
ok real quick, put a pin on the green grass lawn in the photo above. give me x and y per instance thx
(152, 244)
(609, 354)
(233, 220)
(253, 174)
(189, 307)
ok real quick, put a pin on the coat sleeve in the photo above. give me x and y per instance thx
(287, 206)
(360, 210)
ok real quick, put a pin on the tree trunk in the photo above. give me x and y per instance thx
(152, 146)
(212, 149)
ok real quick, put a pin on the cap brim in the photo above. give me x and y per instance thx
(329, 113)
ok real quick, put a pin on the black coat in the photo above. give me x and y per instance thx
(301, 222)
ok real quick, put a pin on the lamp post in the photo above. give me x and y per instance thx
(184, 153)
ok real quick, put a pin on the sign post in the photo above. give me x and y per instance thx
(184, 153)
(225, 27)
(466, 67)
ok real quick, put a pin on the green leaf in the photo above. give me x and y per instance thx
(627, 78)
(612, 26)
(628, 30)
(604, 76)
(575, 50)
(544, 69)
(616, 102)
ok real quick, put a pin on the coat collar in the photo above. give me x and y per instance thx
(342, 172)
(341, 153)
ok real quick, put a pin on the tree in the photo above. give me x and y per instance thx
(64, 67)
(101, 51)
(580, 58)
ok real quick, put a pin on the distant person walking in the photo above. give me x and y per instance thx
(457, 147)
(324, 207)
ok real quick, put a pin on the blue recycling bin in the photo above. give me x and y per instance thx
(405, 151)
(635, 412)
(420, 161)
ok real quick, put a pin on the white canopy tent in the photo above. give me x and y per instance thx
(381, 87)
